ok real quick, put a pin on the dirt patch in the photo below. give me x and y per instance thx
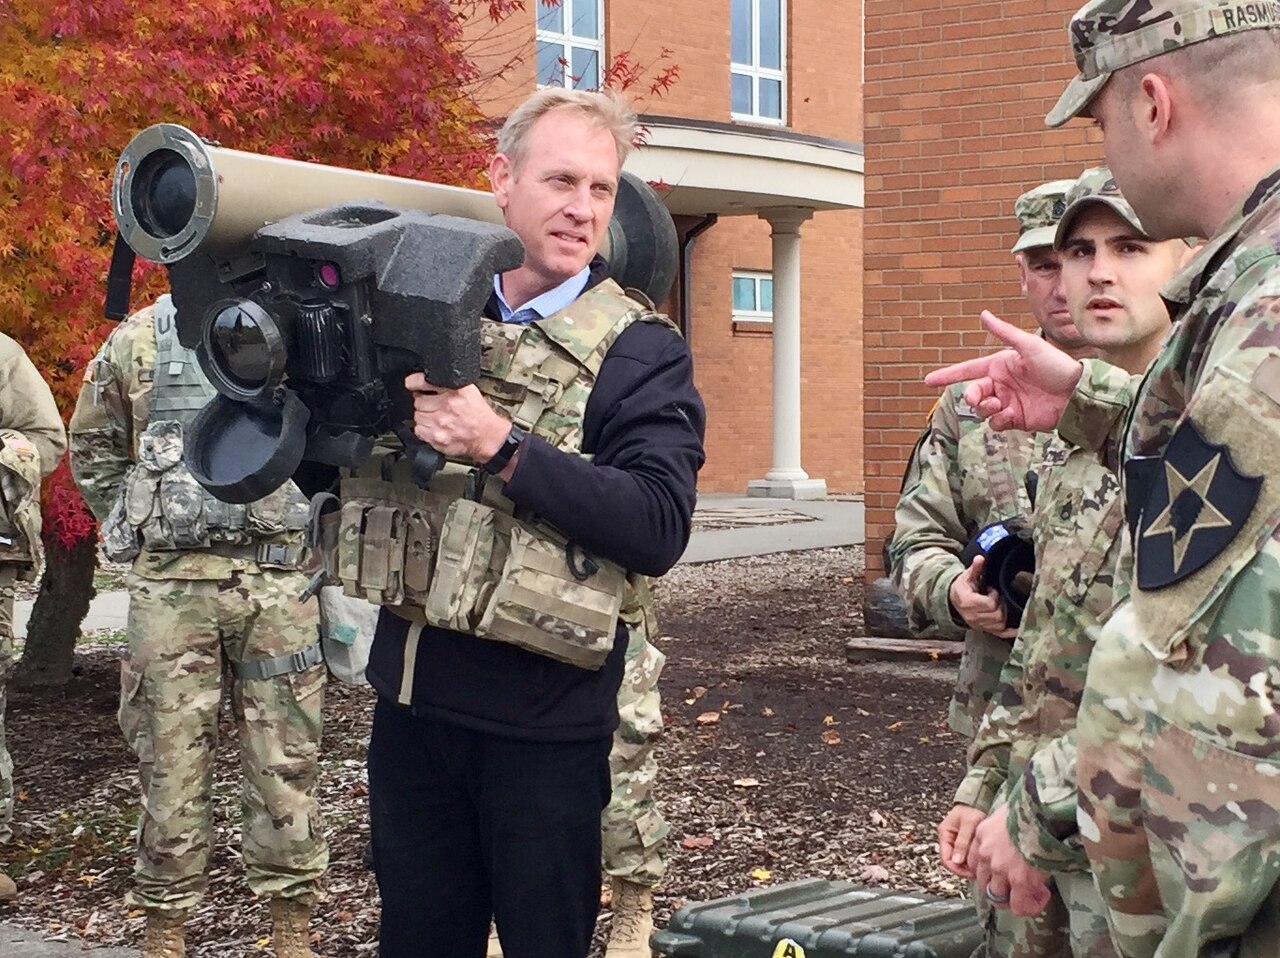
(780, 761)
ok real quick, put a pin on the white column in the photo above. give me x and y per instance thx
(786, 479)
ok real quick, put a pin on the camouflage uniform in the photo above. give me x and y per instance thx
(1179, 728)
(634, 832)
(969, 476)
(195, 612)
(963, 477)
(33, 442)
(1078, 519)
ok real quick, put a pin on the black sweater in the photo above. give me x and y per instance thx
(633, 503)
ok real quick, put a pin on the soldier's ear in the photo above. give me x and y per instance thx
(1157, 98)
(1022, 272)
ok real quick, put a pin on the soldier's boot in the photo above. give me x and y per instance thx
(163, 935)
(290, 931)
(632, 921)
(8, 890)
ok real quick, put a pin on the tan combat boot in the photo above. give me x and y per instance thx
(289, 928)
(163, 936)
(8, 890)
(632, 921)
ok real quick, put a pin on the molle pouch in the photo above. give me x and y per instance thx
(119, 538)
(182, 506)
(555, 599)
(371, 549)
(140, 490)
(266, 516)
(224, 515)
(382, 561)
(160, 446)
(462, 566)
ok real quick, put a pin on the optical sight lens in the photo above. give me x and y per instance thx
(164, 193)
(240, 347)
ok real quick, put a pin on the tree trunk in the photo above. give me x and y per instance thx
(60, 607)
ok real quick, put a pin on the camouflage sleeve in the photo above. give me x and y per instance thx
(101, 439)
(991, 747)
(929, 534)
(1042, 808)
(1096, 416)
(27, 406)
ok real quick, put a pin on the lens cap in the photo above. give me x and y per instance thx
(242, 451)
(643, 247)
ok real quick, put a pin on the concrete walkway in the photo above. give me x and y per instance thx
(16, 943)
(726, 527)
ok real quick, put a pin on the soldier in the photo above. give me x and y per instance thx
(1179, 726)
(1024, 752)
(571, 477)
(213, 587)
(32, 442)
(967, 477)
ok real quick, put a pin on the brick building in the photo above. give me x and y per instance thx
(759, 140)
(955, 98)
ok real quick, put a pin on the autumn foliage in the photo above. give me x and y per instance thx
(375, 84)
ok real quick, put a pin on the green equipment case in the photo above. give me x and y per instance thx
(815, 918)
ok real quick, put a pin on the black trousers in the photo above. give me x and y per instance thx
(468, 825)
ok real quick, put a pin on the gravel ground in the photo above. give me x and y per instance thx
(781, 761)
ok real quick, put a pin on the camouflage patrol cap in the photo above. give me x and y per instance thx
(1109, 34)
(1095, 186)
(1038, 212)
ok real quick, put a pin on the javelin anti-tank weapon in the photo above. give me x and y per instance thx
(309, 292)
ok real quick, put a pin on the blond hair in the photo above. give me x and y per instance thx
(608, 109)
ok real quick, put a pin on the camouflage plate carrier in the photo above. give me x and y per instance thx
(163, 507)
(461, 556)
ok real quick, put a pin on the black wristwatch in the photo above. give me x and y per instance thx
(508, 449)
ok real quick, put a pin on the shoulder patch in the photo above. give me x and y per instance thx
(1198, 502)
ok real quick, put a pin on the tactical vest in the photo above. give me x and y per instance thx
(459, 555)
(163, 505)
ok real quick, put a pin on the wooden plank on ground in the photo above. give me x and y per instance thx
(872, 648)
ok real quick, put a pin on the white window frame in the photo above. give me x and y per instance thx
(758, 73)
(568, 40)
(751, 315)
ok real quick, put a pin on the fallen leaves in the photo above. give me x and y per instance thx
(874, 874)
(761, 874)
(830, 737)
(697, 842)
(708, 718)
(746, 782)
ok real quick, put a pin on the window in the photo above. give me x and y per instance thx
(757, 88)
(752, 297)
(570, 43)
